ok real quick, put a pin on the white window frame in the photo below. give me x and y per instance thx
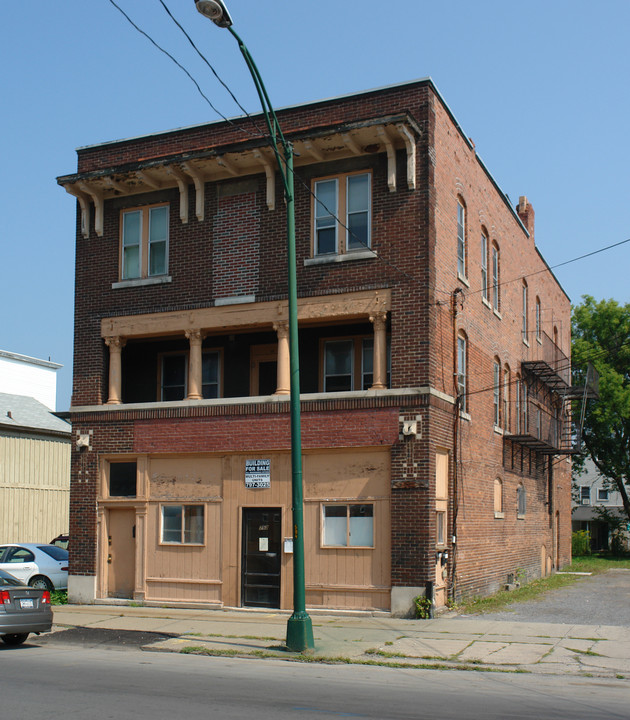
(348, 532)
(184, 514)
(603, 495)
(585, 494)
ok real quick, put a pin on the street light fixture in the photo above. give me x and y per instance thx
(299, 626)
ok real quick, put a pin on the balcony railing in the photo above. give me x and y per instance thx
(539, 429)
(548, 363)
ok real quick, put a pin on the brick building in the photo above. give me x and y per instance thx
(433, 359)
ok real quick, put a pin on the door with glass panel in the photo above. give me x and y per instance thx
(261, 557)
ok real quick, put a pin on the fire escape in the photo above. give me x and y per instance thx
(543, 406)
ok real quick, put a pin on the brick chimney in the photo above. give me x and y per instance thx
(526, 213)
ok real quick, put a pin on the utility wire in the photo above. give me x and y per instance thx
(214, 72)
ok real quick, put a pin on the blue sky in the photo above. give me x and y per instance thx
(541, 88)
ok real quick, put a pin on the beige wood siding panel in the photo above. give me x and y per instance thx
(34, 489)
(348, 577)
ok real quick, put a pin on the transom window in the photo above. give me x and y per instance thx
(183, 524)
(144, 242)
(348, 525)
(348, 364)
(342, 210)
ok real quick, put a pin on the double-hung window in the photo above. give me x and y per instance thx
(144, 242)
(496, 299)
(348, 364)
(348, 525)
(497, 393)
(461, 372)
(183, 524)
(342, 214)
(210, 377)
(461, 239)
(484, 266)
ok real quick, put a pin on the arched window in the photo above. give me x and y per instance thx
(497, 391)
(498, 498)
(506, 398)
(461, 237)
(496, 294)
(484, 264)
(525, 328)
(462, 371)
(538, 320)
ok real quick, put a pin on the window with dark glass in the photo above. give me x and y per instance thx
(174, 370)
(210, 375)
(122, 479)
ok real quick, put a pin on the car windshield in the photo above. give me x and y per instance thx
(55, 552)
(6, 579)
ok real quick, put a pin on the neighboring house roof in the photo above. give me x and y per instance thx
(589, 512)
(20, 413)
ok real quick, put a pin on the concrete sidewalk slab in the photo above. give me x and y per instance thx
(474, 643)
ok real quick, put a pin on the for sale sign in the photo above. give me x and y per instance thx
(257, 473)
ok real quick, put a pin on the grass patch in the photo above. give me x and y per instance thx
(531, 591)
(585, 652)
(596, 564)
(59, 597)
(304, 658)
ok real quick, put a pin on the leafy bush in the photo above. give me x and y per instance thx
(581, 542)
(423, 607)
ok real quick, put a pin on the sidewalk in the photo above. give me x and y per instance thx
(444, 642)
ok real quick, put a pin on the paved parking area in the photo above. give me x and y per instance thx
(592, 600)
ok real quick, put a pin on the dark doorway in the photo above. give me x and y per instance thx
(261, 557)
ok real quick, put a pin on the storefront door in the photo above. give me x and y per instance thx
(261, 558)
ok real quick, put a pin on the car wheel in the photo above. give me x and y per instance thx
(14, 639)
(41, 582)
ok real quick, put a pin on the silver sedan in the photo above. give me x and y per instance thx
(36, 564)
(23, 610)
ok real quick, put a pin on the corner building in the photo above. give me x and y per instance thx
(434, 345)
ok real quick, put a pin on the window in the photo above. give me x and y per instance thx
(496, 298)
(18, 555)
(524, 329)
(585, 495)
(173, 377)
(461, 239)
(497, 392)
(144, 242)
(517, 408)
(210, 366)
(348, 364)
(183, 524)
(602, 495)
(521, 501)
(506, 398)
(524, 408)
(342, 214)
(440, 527)
(484, 266)
(348, 525)
(538, 319)
(498, 498)
(122, 479)
(461, 372)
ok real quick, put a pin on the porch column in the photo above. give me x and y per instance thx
(195, 337)
(284, 370)
(379, 367)
(115, 345)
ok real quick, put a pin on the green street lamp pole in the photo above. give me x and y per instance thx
(299, 626)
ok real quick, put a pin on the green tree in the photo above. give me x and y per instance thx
(601, 336)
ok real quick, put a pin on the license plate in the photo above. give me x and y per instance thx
(26, 603)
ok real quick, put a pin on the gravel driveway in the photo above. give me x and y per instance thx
(593, 600)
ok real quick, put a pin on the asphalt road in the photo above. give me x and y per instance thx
(68, 680)
(592, 600)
